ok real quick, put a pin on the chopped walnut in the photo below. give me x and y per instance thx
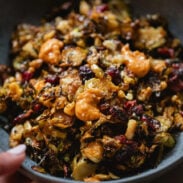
(93, 151)
(136, 61)
(86, 105)
(50, 51)
(144, 94)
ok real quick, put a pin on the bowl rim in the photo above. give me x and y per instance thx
(170, 161)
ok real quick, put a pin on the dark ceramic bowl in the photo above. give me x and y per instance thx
(14, 12)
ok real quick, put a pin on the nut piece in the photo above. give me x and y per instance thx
(94, 152)
(145, 94)
(136, 61)
(73, 56)
(130, 132)
(86, 105)
(50, 51)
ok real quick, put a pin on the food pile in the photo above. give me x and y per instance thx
(95, 94)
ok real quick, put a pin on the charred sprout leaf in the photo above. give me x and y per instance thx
(94, 93)
(82, 168)
(165, 139)
(120, 9)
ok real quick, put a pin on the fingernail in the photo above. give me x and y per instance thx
(17, 150)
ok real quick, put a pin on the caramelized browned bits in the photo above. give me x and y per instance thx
(150, 37)
(73, 56)
(94, 94)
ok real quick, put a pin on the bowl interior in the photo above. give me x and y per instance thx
(14, 12)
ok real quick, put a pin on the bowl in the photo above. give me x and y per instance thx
(173, 159)
(14, 12)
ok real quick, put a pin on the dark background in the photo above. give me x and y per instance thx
(13, 12)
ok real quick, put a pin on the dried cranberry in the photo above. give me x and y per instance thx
(22, 117)
(181, 112)
(138, 109)
(166, 52)
(26, 76)
(101, 8)
(152, 123)
(130, 104)
(52, 79)
(85, 73)
(121, 138)
(118, 113)
(37, 108)
(132, 107)
(66, 170)
(115, 75)
(104, 108)
(176, 77)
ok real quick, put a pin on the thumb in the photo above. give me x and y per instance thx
(11, 160)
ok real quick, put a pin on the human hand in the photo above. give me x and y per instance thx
(10, 161)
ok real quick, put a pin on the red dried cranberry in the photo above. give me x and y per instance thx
(26, 76)
(152, 123)
(115, 75)
(104, 108)
(118, 113)
(101, 8)
(85, 73)
(138, 109)
(176, 77)
(130, 104)
(66, 170)
(166, 52)
(22, 117)
(121, 138)
(181, 112)
(52, 79)
(37, 107)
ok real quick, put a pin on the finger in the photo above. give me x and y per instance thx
(11, 160)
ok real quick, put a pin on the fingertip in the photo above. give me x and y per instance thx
(11, 160)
